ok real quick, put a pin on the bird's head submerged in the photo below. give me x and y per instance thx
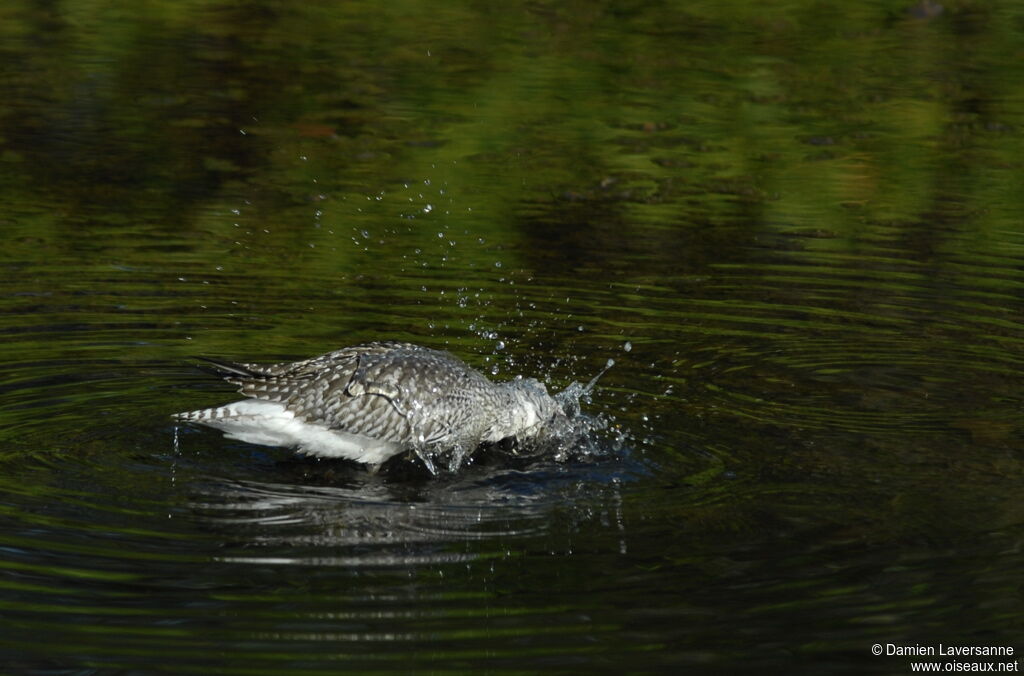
(535, 414)
(528, 409)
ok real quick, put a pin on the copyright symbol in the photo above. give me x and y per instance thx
(877, 649)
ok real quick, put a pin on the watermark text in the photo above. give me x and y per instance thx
(952, 658)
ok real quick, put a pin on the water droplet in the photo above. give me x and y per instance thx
(628, 347)
(497, 264)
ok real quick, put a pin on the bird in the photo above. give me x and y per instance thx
(373, 401)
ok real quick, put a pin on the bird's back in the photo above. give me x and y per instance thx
(372, 401)
(397, 392)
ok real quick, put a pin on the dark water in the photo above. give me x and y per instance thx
(797, 229)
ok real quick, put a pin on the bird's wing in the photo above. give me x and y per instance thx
(391, 391)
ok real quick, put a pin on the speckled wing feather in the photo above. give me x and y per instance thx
(397, 392)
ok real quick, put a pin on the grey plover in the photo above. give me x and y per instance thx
(373, 401)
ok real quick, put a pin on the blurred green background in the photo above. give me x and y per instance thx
(796, 226)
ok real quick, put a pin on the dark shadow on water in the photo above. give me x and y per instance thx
(311, 506)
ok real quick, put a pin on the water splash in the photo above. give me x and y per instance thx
(569, 398)
(569, 433)
(574, 434)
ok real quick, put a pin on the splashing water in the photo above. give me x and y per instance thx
(573, 434)
(570, 397)
(569, 433)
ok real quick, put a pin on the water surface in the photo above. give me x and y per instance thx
(796, 230)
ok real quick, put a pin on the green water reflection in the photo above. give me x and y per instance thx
(796, 228)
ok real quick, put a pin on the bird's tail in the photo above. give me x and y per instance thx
(226, 369)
